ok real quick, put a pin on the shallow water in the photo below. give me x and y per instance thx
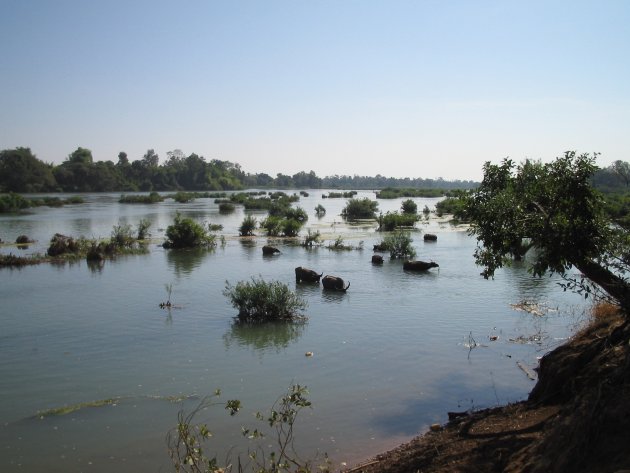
(390, 356)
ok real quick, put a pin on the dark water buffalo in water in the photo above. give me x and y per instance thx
(307, 275)
(334, 283)
(380, 247)
(377, 259)
(430, 237)
(270, 250)
(419, 265)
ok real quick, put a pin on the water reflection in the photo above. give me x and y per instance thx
(260, 337)
(185, 261)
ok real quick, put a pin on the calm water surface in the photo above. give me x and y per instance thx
(390, 357)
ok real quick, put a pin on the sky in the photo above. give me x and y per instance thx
(424, 88)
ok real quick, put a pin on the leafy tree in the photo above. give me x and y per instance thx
(150, 159)
(81, 155)
(554, 208)
(123, 160)
(622, 170)
(21, 171)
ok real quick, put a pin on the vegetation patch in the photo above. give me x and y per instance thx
(186, 233)
(364, 208)
(393, 220)
(259, 301)
(15, 203)
(152, 198)
(396, 193)
(399, 243)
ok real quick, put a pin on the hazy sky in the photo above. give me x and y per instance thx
(399, 88)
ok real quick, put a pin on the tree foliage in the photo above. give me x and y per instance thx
(554, 208)
(21, 171)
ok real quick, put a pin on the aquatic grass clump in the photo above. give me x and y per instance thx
(12, 260)
(259, 301)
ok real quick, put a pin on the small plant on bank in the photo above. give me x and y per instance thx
(360, 209)
(248, 225)
(261, 301)
(399, 244)
(186, 233)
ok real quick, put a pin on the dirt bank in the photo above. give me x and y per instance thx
(577, 417)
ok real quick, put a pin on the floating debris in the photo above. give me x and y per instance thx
(533, 308)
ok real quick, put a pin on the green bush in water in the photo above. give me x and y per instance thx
(186, 233)
(399, 244)
(393, 220)
(360, 208)
(248, 225)
(409, 207)
(260, 301)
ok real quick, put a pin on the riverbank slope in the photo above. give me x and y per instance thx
(577, 417)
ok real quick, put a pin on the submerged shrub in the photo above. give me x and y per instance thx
(399, 244)
(320, 210)
(122, 235)
(186, 233)
(360, 208)
(143, 229)
(409, 207)
(272, 225)
(12, 202)
(392, 220)
(260, 301)
(291, 227)
(248, 225)
(226, 207)
(62, 244)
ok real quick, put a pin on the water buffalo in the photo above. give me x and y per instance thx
(335, 283)
(380, 247)
(307, 275)
(270, 250)
(419, 265)
(430, 237)
(377, 259)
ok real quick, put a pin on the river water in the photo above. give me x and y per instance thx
(390, 357)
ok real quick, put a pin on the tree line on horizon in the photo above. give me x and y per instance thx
(22, 172)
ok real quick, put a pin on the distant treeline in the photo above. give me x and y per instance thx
(21, 171)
